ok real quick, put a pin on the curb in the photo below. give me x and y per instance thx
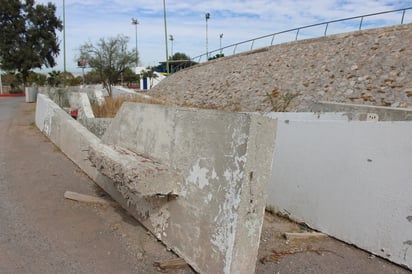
(13, 95)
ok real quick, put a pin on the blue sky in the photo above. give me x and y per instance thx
(238, 20)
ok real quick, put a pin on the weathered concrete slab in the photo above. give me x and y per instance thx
(224, 159)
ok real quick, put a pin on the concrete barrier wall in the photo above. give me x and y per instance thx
(216, 220)
(66, 133)
(349, 179)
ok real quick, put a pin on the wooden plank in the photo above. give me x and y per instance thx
(177, 263)
(87, 198)
(303, 235)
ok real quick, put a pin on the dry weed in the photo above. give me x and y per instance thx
(113, 104)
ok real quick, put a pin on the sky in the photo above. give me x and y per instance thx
(237, 20)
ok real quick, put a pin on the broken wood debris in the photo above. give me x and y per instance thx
(177, 263)
(276, 256)
(303, 235)
(87, 198)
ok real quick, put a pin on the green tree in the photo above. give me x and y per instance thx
(92, 77)
(55, 78)
(28, 36)
(180, 56)
(179, 61)
(109, 57)
(10, 79)
(129, 76)
(36, 78)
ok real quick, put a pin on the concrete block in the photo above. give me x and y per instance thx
(224, 159)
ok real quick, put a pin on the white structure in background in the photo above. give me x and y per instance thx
(148, 83)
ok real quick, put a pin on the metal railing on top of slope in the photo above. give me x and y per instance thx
(206, 56)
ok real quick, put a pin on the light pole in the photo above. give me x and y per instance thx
(167, 54)
(1, 84)
(136, 22)
(221, 36)
(207, 16)
(171, 38)
(64, 37)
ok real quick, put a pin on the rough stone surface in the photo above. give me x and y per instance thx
(372, 67)
(134, 173)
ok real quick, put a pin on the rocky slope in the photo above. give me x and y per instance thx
(372, 67)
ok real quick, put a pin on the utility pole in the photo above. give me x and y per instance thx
(64, 37)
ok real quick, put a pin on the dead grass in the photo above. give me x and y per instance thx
(113, 104)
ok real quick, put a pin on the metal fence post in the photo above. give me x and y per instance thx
(403, 16)
(326, 29)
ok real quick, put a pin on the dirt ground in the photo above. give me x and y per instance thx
(42, 232)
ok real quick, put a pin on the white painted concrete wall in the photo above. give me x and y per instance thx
(351, 180)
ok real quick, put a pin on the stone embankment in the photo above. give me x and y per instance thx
(371, 67)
